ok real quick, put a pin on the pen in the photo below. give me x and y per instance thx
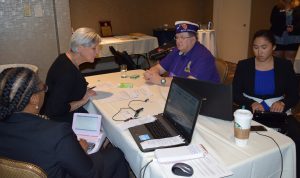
(91, 87)
(205, 150)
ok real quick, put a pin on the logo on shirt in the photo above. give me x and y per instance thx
(188, 67)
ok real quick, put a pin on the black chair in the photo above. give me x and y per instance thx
(124, 58)
(162, 51)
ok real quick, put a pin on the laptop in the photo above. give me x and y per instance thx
(87, 126)
(179, 118)
(217, 98)
(275, 120)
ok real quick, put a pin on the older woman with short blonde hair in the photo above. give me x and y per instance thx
(68, 90)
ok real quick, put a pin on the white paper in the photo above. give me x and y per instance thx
(141, 92)
(206, 167)
(105, 86)
(135, 122)
(180, 153)
(154, 143)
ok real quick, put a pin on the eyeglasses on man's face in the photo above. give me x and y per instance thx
(182, 37)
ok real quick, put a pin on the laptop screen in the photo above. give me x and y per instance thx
(217, 98)
(182, 109)
(86, 124)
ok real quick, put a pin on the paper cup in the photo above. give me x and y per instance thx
(242, 124)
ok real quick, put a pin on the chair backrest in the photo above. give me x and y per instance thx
(29, 66)
(222, 68)
(14, 169)
(123, 58)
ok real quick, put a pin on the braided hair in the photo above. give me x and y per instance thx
(16, 88)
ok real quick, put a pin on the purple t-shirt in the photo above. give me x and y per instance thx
(198, 62)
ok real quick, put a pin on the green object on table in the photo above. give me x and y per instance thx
(125, 85)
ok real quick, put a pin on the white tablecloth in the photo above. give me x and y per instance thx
(260, 158)
(131, 44)
(208, 39)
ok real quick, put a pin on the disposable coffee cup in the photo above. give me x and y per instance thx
(242, 124)
(123, 70)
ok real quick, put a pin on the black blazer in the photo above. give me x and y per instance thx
(278, 22)
(51, 145)
(285, 83)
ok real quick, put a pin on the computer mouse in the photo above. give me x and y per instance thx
(182, 169)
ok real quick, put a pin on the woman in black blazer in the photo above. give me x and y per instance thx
(250, 79)
(29, 137)
(267, 83)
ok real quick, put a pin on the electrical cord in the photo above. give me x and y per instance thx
(144, 168)
(278, 149)
(137, 111)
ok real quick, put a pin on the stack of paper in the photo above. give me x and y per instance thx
(205, 166)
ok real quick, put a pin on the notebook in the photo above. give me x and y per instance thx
(275, 120)
(179, 118)
(217, 98)
(87, 126)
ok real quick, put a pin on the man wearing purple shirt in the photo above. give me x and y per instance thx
(189, 60)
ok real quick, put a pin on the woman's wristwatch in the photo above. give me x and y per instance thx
(163, 81)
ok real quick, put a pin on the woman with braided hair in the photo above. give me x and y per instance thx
(27, 136)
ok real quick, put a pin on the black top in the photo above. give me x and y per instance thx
(65, 84)
(48, 144)
(285, 83)
(278, 21)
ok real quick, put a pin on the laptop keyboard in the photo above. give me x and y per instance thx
(157, 130)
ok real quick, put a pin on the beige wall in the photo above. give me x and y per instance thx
(128, 16)
(33, 39)
(260, 17)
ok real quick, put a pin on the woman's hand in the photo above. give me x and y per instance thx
(84, 145)
(257, 107)
(88, 94)
(77, 104)
(278, 106)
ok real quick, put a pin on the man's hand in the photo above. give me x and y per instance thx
(148, 74)
(152, 77)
